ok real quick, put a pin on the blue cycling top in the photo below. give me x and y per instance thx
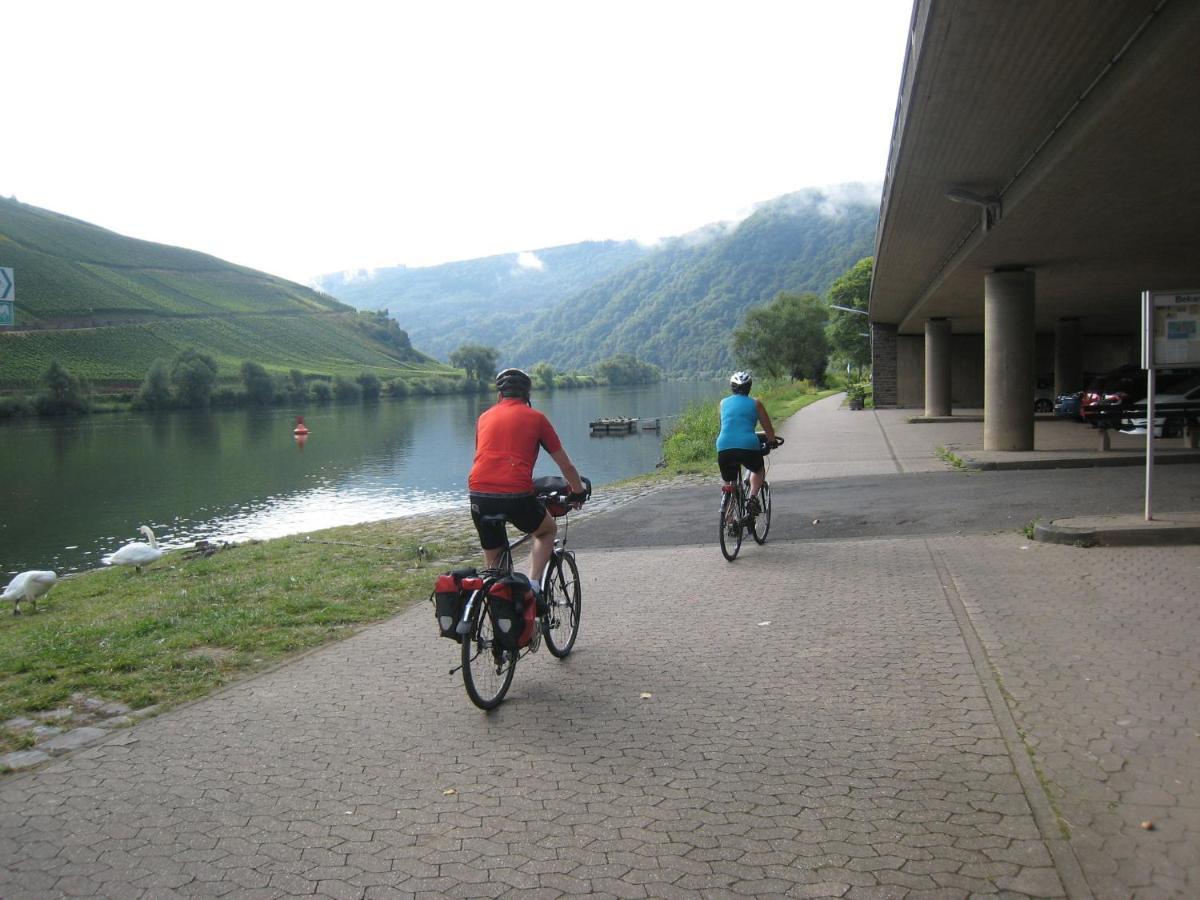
(739, 416)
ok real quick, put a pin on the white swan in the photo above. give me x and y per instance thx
(137, 554)
(28, 586)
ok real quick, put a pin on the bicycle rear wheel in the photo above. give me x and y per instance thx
(487, 668)
(731, 525)
(563, 593)
(762, 522)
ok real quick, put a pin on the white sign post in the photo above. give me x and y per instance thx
(8, 298)
(1170, 337)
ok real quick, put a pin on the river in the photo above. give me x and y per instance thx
(73, 490)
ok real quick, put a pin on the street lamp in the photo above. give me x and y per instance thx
(989, 204)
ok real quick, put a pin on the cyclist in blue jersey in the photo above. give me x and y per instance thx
(738, 443)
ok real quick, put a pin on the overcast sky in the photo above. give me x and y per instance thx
(305, 138)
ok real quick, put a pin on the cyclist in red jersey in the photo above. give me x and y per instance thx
(507, 439)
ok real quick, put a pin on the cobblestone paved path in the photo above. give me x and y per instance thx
(817, 736)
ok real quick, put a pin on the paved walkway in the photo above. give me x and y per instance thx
(912, 717)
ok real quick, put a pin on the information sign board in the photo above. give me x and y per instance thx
(1170, 329)
(8, 297)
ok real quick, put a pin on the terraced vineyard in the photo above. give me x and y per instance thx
(107, 306)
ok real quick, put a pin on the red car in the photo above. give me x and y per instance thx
(1108, 394)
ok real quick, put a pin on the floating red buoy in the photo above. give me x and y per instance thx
(300, 428)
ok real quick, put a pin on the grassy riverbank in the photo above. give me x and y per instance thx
(190, 624)
(689, 447)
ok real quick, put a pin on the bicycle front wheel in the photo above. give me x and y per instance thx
(731, 526)
(762, 522)
(565, 597)
(487, 668)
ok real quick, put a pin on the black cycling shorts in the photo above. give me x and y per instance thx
(729, 460)
(525, 511)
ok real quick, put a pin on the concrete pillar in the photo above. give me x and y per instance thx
(1068, 356)
(937, 367)
(1008, 360)
(883, 364)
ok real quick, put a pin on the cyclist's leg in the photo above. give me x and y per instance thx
(543, 547)
(753, 461)
(492, 537)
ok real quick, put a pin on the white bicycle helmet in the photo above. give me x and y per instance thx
(739, 382)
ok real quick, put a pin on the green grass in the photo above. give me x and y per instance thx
(950, 457)
(185, 627)
(690, 447)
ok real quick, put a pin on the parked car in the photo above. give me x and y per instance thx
(1109, 394)
(1066, 406)
(1043, 394)
(1176, 405)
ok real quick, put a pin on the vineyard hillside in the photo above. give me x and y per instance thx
(106, 306)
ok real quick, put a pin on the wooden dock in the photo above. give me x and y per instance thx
(614, 425)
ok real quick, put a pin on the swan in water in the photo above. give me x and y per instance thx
(28, 586)
(137, 554)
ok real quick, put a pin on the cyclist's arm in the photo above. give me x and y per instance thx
(765, 419)
(569, 471)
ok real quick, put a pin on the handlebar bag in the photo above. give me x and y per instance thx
(449, 597)
(513, 608)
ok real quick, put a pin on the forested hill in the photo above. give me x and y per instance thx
(107, 306)
(476, 299)
(677, 306)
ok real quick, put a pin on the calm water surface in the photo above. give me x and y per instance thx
(72, 491)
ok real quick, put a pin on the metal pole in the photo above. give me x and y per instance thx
(1150, 384)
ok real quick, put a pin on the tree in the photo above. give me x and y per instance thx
(61, 392)
(345, 390)
(478, 361)
(194, 374)
(543, 376)
(322, 391)
(370, 385)
(297, 386)
(848, 331)
(155, 392)
(260, 389)
(785, 337)
(624, 368)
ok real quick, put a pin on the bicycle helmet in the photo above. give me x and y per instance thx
(739, 382)
(514, 383)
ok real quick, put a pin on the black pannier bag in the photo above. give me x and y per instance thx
(513, 608)
(449, 599)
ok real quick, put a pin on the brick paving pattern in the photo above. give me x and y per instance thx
(1098, 652)
(817, 736)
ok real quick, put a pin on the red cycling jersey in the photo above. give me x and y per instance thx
(507, 438)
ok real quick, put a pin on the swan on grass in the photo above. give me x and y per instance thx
(137, 554)
(28, 586)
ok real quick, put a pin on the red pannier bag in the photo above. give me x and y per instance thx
(449, 598)
(513, 607)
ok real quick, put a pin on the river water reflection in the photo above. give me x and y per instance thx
(71, 491)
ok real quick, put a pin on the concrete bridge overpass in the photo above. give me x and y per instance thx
(1044, 171)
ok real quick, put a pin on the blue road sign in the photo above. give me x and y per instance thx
(7, 291)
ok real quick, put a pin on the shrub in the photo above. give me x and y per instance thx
(13, 407)
(397, 388)
(346, 390)
(368, 382)
(322, 392)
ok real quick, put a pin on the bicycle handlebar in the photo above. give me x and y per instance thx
(554, 489)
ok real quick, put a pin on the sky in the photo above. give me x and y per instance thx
(309, 138)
